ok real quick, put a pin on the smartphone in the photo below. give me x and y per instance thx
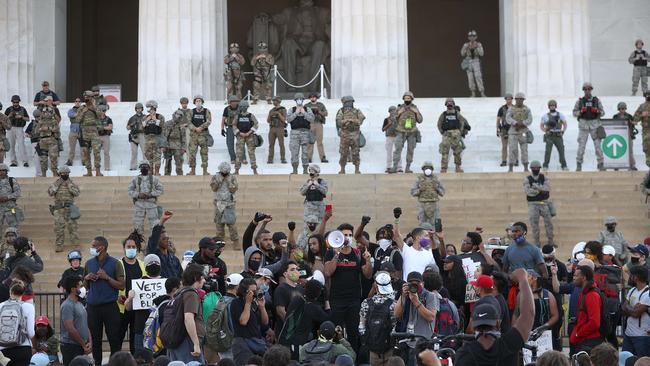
(328, 208)
(438, 225)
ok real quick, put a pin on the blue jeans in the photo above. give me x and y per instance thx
(184, 352)
(639, 346)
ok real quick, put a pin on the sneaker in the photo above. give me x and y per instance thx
(26, 164)
(13, 164)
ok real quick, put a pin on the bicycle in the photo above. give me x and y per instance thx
(446, 355)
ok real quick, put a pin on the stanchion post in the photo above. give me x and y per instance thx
(322, 80)
(275, 80)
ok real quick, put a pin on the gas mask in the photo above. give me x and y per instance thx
(428, 172)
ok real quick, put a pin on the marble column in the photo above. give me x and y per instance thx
(369, 48)
(550, 48)
(17, 45)
(181, 48)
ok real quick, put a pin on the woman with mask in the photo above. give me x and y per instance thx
(20, 354)
(248, 315)
(151, 266)
(133, 269)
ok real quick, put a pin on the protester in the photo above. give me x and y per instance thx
(327, 347)
(586, 333)
(454, 280)
(635, 337)
(151, 265)
(285, 293)
(248, 315)
(546, 313)
(377, 320)
(418, 256)
(604, 354)
(76, 269)
(133, 270)
(489, 295)
(158, 244)
(21, 353)
(308, 313)
(44, 339)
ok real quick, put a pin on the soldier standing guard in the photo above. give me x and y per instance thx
(152, 126)
(588, 110)
(348, 122)
(519, 118)
(642, 115)
(145, 190)
(538, 189)
(472, 52)
(639, 58)
(622, 115)
(48, 130)
(10, 214)
(300, 119)
(277, 120)
(428, 190)
(7, 246)
(136, 136)
(315, 191)
(320, 112)
(224, 185)
(5, 126)
(408, 116)
(502, 129)
(175, 134)
(262, 64)
(89, 116)
(244, 129)
(227, 121)
(105, 131)
(553, 125)
(233, 75)
(64, 191)
(199, 135)
(610, 236)
(451, 125)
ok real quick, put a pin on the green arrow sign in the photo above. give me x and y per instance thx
(614, 146)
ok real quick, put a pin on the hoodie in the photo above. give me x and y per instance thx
(588, 322)
(275, 267)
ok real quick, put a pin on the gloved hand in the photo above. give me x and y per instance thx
(223, 132)
(583, 110)
(594, 110)
(291, 225)
(365, 220)
(397, 212)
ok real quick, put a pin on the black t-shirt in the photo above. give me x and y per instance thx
(475, 256)
(382, 256)
(366, 283)
(282, 296)
(79, 272)
(313, 315)
(252, 329)
(499, 303)
(345, 283)
(227, 109)
(504, 352)
(131, 272)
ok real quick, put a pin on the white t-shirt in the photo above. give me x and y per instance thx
(28, 315)
(416, 260)
(633, 329)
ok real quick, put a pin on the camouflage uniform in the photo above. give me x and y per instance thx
(645, 126)
(174, 133)
(629, 119)
(224, 185)
(227, 120)
(299, 140)
(408, 116)
(105, 136)
(148, 206)
(537, 189)
(200, 118)
(320, 112)
(7, 247)
(245, 123)
(263, 74)
(428, 190)
(451, 125)
(153, 126)
(48, 128)
(8, 209)
(5, 125)
(554, 124)
(233, 74)
(639, 58)
(277, 129)
(348, 122)
(64, 193)
(315, 191)
(517, 139)
(645, 190)
(472, 52)
(588, 112)
(615, 239)
(89, 116)
(136, 136)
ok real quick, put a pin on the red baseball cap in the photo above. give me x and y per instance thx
(646, 241)
(42, 320)
(484, 282)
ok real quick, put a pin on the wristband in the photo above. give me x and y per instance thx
(396, 221)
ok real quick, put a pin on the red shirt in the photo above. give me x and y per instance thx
(588, 322)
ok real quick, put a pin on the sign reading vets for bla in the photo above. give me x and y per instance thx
(145, 291)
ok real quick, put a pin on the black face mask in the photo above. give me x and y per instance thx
(153, 270)
(535, 171)
(224, 174)
(254, 265)
(312, 175)
(611, 228)
(144, 171)
(647, 99)
(634, 260)
(311, 227)
(65, 177)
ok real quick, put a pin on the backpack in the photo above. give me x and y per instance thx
(378, 326)
(13, 330)
(447, 319)
(318, 351)
(172, 330)
(605, 313)
(151, 332)
(607, 278)
(219, 327)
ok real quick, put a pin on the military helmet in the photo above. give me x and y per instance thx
(233, 98)
(15, 98)
(427, 164)
(262, 46)
(4, 166)
(184, 100)
(277, 98)
(95, 88)
(314, 94)
(347, 98)
(392, 109)
(408, 94)
(244, 104)
(198, 96)
(552, 102)
(224, 167)
(139, 105)
(520, 95)
(508, 95)
(234, 45)
(471, 33)
(36, 113)
(178, 114)
(63, 169)
(450, 100)
(621, 105)
(314, 168)
(586, 85)
(535, 164)
(152, 104)
(102, 107)
(12, 230)
(610, 220)
(298, 96)
(88, 93)
(144, 163)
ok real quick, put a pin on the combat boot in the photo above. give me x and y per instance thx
(408, 168)
(459, 169)
(283, 161)
(510, 168)
(236, 171)
(168, 169)
(578, 167)
(245, 162)
(179, 171)
(68, 163)
(98, 173)
(324, 160)
(43, 171)
(356, 169)
(391, 170)
(205, 170)
(601, 167)
(59, 248)
(443, 168)
(525, 167)
(305, 169)
(504, 163)
(473, 94)
(255, 170)
(483, 94)
(89, 173)
(295, 168)
(342, 171)
(192, 171)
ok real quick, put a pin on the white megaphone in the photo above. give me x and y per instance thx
(335, 239)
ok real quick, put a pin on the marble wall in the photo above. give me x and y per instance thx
(17, 45)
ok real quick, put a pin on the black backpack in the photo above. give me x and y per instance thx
(378, 326)
(172, 330)
(606, 309)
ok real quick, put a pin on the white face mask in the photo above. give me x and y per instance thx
(82, 292)
(384, 244)
(198, 103)
(428, 172)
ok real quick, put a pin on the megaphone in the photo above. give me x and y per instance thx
(335, 239)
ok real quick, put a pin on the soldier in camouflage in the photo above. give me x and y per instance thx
(388, 128)
(7, 246)
(48, 130)
(320, 113)
(187, 119)
(300, 119)
(277, 120)
(502, 129)
(10, 213)
(245, 127)
(136, 136)
(5, 126)
(227, 121)
(537, 188)
(262, 64)
(518, 118)
(639, 58)
(622, 115)
(145, 190)
(152, 127)
(233, 74)
(645, 190)
(452, 126)
(175, 134)
(642, 115)
(472, 52)
(64, 192)
(588, 111)
(428, 190)
(610, 236)
(408, 116)
(200, 121)
(105, 131)
(224, 185)
(314, 190)
(99, 98)
(553, 125)
(88, 117)
(348, 123)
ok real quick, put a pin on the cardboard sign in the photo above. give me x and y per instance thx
(145, 291)
(471, 294)
(543, 343)
(470, 267)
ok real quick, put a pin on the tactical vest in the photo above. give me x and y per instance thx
(47, 119)
(316, 106)
(592, 108)
(407, 122)
(429, 193)
(231, 115)
(542, 195)
(300, 122)
(89, 118)
(63, 194)
(313, 194)
(643, 61)
(151, 128)
(198, 118)
(103, 123)
(350, 114)
(175, 131)
(275, 120)
(554, 123)
(519, 113)
(21, 122)
(451, 122)
(244, 122)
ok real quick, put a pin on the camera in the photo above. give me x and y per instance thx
(413, 288)
(259, 294)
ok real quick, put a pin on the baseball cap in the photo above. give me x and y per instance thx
(387, 267)
(151, 258)
(42, 320)
(485, 314)
(39, 359)
(484, 282)
(609, 250)
(383, 283)
(207, 242)
(234, 279)
(327, 329)
(641, 249)
(266, 273)
(414, 276)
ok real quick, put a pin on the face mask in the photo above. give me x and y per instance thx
(424, 243)
(153, 270)
(428, 172)
(82, 292)
(348, 104)
(254, 265)
(611, 228)
(634, 260)
(294, 276)
(144, 171)
(94, 252)
(264, 288)
(131, 253)
(520, 240)
(151, 110)
(311, 227)
(312, 175)
(299, 102)
(408, 102)
(450, 107)
(384, 244)
(65, 177)
(243, 109)
(198, 104)
(535, 172)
